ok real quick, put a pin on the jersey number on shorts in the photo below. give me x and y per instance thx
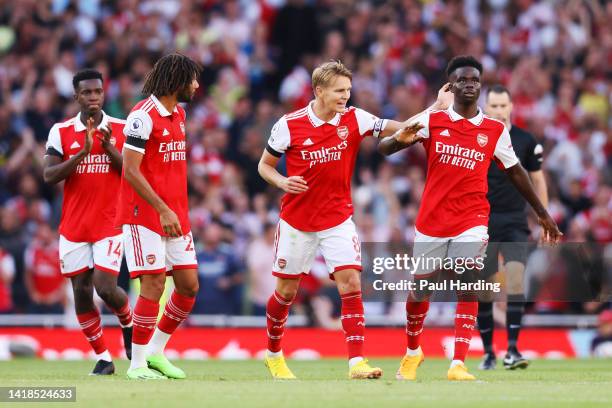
(189, 245)
(117, 250)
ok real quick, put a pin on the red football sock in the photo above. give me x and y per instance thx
(124, 314)
(176, 311)
(353, 323)
(144, 318)
(465, 319)
(92, 329)
(416, 311)
(276, 316)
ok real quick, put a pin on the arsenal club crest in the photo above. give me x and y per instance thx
(182, 125)
(282, 263)
(482, 140)
(113, 141)
(151, 259)
(343, 132)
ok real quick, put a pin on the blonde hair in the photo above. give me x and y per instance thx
(324, 73)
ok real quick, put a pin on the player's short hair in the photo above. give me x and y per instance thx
(170, 74)
(324, 73)
(85, 74)
(499, 89)
(461, 61)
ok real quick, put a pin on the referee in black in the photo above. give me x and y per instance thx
(508, 232)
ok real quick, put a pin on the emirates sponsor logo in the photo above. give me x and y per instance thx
(173, 151)
(459, 156)
(94, 164)
(482, 139)
(343, 132)
(324, 154)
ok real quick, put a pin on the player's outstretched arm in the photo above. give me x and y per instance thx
(131, 171)
(401, 139)
(267, 170)
(518, 176)
(443, 101)
(56, 170)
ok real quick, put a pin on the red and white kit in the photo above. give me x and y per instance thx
(160, 136)
(324, 154)
(454, 211)
(88, 236)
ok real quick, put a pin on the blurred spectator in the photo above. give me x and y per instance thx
(220, 274)
(601, 345)
(43, 277)
(7, 274)
(259, 259)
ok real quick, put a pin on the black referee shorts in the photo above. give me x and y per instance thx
(508, 235)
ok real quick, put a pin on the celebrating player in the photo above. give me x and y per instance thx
(84, 151)
(321, 142)
(508, 231)
(452, 222)
(154, 215)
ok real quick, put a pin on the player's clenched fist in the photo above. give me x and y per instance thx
(170, 223)
(294, 185)
(408, 135)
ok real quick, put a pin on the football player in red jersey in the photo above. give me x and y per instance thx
(321, 142)
(153, 212)
(452, 223)
(83, 151)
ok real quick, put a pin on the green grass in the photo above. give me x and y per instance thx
(229, 384)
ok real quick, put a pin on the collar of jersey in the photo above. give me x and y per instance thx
(476, 120)
(80, 126)
(161, 108)
(316, 122)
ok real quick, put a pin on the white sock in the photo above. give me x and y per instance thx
(273, 353)
(410, 352)
(105, 355)
(139, 356)
(354, 361)
(456, 363)
(158, 342)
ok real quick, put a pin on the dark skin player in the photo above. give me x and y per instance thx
(89, 94)
(465, 85)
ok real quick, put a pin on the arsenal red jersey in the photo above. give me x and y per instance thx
(160, 136)
(459, 152)
(90, 193)
(41, 260)
(324, 154)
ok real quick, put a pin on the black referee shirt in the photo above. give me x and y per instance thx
(502, 195)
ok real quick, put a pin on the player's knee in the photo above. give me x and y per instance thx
(104, 291)
(189, 290)
(288, 291)
(82, 291)
(352, 283)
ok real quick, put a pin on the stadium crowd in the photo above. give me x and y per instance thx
(554, 56)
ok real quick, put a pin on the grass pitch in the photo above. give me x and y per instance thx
(228, 384)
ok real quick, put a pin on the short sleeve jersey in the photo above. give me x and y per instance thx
(90, 193)
(459, 152)
(324, 154)
(159, 136)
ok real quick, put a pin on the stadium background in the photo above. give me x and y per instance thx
(554, 56)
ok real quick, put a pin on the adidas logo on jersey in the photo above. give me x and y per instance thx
(307, 142)
(165, 132)
(75, 145)
(445, 132)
